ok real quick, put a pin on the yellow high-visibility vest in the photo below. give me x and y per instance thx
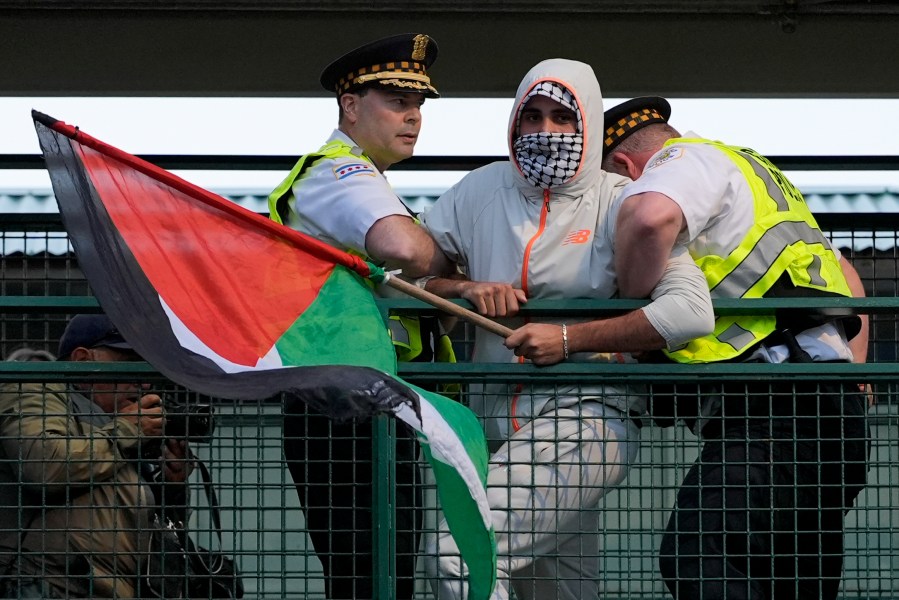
(784, 239)
(405, 331)
(281, 199)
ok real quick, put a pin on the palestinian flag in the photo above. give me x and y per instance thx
(233, 305)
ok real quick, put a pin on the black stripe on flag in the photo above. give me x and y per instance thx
(132, 303)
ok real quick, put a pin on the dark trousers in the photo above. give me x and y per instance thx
(760, 513)
(331, 465)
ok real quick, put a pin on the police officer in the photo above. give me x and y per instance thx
(760, 513)
(339, 195)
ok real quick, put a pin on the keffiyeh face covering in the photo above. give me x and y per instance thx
(550, 159)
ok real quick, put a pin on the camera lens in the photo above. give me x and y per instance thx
(193, 422)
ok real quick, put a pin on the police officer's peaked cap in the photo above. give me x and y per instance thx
(397, 62)
(626, 118)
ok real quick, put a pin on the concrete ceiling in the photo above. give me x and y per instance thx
(716, 48)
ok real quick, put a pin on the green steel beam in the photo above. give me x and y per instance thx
(725, 306)
(49, 304)
(562, 308)
(591, 372)
(581, 372)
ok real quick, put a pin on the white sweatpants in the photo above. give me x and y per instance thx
(544, 485)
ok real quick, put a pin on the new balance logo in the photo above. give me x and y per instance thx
(581, 236)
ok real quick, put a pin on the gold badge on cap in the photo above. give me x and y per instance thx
(420, 46)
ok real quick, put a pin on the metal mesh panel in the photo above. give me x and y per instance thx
(37, 260)
(265, 530)
(871, 244)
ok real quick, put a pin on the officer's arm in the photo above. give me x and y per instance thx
(451, 222)
(681, 310)
(858, 344)
(400, 243)
(647, 227)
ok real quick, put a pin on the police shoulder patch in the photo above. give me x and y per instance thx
(666, 155)
(351, 169)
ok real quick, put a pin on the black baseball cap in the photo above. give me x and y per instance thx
(90, 331)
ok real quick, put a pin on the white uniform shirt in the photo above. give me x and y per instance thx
(338, 200)
(710, 190)
(718, 209)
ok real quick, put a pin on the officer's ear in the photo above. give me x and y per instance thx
(622, 164)
(349, 107)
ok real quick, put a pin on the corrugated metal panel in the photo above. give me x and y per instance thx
(833, 200)
(27, 201)
(42, 201)
(873, 200)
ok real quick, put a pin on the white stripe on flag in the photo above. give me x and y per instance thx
(189, 341)
(448, 449)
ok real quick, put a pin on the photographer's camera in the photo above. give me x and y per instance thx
(190, 421)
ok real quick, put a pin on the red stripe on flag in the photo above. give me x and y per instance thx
(301, 240)
(207, 263)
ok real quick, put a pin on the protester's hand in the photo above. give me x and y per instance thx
(176, 463)
(146, 413)
(538, 342)
(493, 299)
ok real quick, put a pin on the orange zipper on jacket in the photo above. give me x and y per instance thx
(527, 251)
(544, 212)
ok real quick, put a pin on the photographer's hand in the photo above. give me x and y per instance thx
(176, 463)
(147, 413)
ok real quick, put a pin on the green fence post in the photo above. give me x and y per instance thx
(383, 506)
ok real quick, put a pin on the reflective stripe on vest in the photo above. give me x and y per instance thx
(408, 339)
(757, 267)
(783, 239)
(406, 335)
(279, 200)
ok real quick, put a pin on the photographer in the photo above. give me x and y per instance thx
(82, 470)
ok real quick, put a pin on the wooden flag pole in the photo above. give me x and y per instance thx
(447, 306)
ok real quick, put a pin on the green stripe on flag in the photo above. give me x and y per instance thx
(344, 327)
(453, 442)
(341, 327)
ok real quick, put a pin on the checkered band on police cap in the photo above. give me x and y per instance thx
(628, 117)
(398, 62)
(400, 74)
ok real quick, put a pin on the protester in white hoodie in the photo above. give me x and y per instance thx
(539, 226)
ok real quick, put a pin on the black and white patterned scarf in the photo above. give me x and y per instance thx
(550, 159)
